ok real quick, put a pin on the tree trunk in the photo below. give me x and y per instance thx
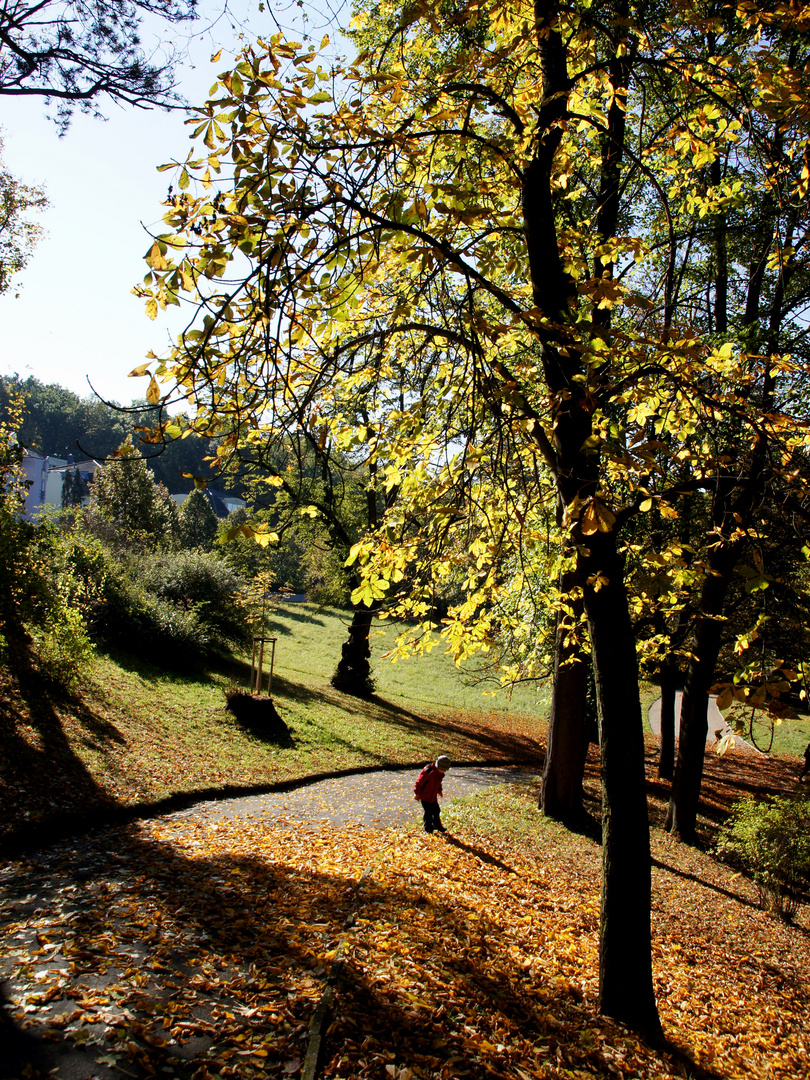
(353, 674)
(625, 962)
(683, 804)
(561, 789)
(666, 757)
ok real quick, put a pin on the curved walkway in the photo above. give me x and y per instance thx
(718, 725)
(374, 799)
(44, 1044)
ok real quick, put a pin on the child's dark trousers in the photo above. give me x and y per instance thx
(431, 816)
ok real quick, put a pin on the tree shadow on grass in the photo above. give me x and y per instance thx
(474, 735)
(685, 875)
(43, 777)
(291, 613)
(478, 853)
(232, 666)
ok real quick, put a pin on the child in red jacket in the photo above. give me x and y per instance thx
(428, 790)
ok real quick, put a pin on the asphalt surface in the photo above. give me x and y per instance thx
(375, 799)
(718, 727)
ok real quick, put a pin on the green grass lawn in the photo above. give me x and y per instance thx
(309, 642)
(134, 733)
(790, 737)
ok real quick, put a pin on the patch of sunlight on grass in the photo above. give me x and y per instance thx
(309, 643)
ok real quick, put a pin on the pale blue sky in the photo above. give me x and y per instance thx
(75, 317)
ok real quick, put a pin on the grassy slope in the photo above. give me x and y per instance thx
(134, 733)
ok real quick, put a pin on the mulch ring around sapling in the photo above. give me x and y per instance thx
(257, 714)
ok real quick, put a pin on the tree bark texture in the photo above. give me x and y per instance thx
(561, 788)
(353, 674)
(666, 757)
(625, 965)
(625, 985)
(694, 726)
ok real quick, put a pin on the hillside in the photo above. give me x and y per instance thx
(210, 948)
(132, 733)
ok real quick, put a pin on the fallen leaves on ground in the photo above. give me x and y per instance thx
(196, 948)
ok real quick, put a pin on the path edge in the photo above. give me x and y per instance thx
(55, 828)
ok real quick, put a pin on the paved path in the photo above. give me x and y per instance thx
(718, 727)
(45, 888)
(374, 799)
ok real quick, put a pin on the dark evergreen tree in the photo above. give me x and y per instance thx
(79, 52)
(198, 522)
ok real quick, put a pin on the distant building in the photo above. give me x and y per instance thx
(37, 467)
(85, 470)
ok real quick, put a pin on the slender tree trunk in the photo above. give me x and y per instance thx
(625, 963)
(353, 674)
(666, 757)
(561, 789)
(683, 804)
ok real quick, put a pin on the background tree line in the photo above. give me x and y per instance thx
(131, 570)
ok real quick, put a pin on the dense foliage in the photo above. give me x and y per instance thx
(127, 506)
(197, 520)
(504, 259)
(771, 841)
(112, 574)
(56, 422)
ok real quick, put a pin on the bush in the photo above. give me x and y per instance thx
(771, 841)
(54, 621)
(202, 584)
(79, 565)
(62, 645)
(173, 606)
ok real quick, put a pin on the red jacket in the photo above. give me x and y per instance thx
(428, 784)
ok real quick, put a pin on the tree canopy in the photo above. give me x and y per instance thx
(521, 234)
(198, 522)
(128, 506)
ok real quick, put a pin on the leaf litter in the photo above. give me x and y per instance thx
(200, 948)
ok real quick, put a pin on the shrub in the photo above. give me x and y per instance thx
(166, 606)
(79, 565)
(62, 644)
(21, 583)
(771, 841)
(202, 584)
